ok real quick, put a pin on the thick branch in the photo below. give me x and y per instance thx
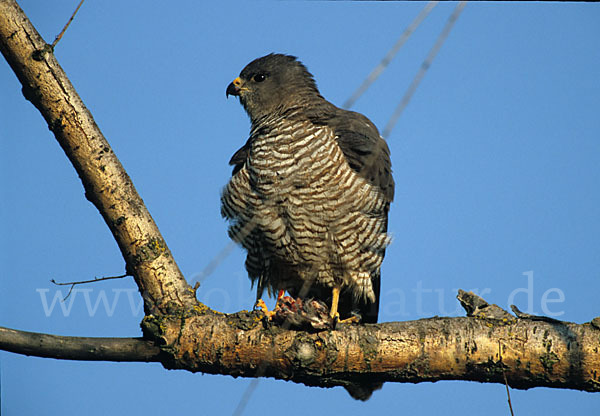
(78, 348)
(530, 353)
(106, 183)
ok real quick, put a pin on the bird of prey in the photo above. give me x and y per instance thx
(310, 191)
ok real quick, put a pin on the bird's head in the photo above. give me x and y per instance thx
(271, 84)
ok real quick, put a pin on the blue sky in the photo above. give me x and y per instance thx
(496, 161)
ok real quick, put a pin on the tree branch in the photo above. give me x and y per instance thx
(78, 348)
(528, 353)
(106, 183)
(534, 353)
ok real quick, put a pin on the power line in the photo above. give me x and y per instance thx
(239, 410)
(262, 367)
(390, 55)
(424, 67)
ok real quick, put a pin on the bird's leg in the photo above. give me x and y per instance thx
(279, 296)
(335, 298)
(334, 314)
(261, 305)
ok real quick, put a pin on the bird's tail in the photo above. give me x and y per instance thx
(363, 391)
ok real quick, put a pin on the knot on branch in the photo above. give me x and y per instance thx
(40, 54)
(477, 307)
(155, 325)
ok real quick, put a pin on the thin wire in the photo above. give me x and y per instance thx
(390, 55)
(215, 262)
(424, 67)
(508, 393)
(262, 368)
(505, 380)
(239, 235)
(239, 410)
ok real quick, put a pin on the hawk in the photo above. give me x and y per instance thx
(310, 191)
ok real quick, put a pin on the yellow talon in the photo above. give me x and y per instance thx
(334, 314)
(335, 298)
(352, 320)
(262, 306)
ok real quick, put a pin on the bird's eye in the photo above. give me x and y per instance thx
(259, 77)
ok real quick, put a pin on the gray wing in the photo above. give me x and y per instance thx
(367, 154)
(365, 150)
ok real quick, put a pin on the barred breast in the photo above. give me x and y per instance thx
(305, 217)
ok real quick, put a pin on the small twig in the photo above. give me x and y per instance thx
(505, 380)
(95, 279)
(62, 32)
(523, 315)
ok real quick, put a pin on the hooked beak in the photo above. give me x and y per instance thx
(234, 88)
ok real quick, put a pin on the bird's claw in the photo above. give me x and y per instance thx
(354, 319)
(260, 305)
